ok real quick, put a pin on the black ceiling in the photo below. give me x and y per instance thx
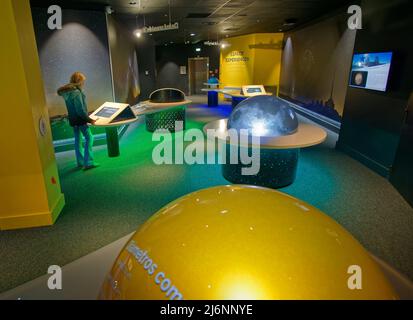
(210, 19)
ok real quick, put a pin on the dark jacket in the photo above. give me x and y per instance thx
(76, 104)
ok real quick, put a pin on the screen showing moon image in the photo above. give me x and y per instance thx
(371, 70)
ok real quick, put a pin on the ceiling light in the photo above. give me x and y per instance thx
(138, 33)
(223, 45)
(192, 34)
(198, 49)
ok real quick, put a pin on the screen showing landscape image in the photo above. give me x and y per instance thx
(371, 70)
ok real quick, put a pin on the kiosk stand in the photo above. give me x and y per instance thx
(111, 116)
(212, 91)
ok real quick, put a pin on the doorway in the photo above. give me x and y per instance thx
(198, 74)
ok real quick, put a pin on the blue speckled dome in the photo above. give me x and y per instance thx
(264, 116)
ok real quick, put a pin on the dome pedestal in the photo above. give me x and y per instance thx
(278, 167)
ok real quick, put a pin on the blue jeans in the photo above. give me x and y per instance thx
(84, 157)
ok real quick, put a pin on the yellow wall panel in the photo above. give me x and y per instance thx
(29, 182)
(252, 59)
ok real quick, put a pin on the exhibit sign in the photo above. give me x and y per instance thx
(164, 27)
(371, 70)
(211, 43)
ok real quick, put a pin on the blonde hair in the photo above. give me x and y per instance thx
(77, 78)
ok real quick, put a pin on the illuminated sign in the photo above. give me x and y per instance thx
(211, 43)
(165, 27)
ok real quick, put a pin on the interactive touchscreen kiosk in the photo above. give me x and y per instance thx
(111, 116)
(112, 113)
(252, 91)
(248, 92)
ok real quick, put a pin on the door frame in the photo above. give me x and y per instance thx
(190, 71)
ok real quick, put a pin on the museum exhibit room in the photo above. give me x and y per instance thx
(213, 150)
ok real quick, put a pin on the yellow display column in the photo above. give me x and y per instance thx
(30, 193)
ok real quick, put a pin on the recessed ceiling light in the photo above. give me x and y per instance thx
(192, 34)
(198, 49)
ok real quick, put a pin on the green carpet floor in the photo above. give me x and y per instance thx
(107, 203)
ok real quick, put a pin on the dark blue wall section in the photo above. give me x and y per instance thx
(372, 120)
(145, 48)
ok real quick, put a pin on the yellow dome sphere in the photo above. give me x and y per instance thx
(241, 242)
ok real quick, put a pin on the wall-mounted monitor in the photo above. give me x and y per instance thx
(371, 70)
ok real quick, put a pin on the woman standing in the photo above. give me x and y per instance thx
(79, 119)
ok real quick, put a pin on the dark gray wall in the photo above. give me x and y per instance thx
(170, 58)
(82, 45)
(145, 48)
(372, 120)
